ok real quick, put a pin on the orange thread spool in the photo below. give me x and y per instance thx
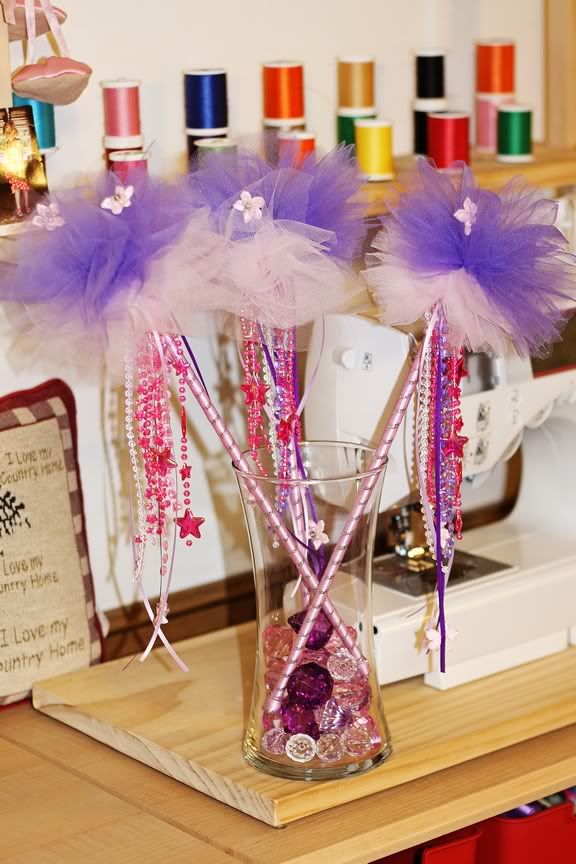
(495, 66)
(283, 93)
(294, 147)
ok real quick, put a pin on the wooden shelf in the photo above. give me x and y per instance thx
(191, 726)
(550, 168)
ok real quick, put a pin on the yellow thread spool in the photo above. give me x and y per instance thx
(374, 148)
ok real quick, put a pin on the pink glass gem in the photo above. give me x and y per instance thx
(321, 632)
(309, 685)
(364, 721)
(354, 694)
(274, 741)
(298, 719)
(278, 641)
(269, 721)
(335, 644)
(329, 748)
(356, 741)
(300, 748)
(342, 667)
(332, 716)
(320, 657)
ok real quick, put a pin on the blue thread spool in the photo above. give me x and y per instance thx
(206, 102)
(43, 114)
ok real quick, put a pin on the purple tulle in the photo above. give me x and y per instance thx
(507, 277)
(97, 255)
(318, 195)
(82, 293)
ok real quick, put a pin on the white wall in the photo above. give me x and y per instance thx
(156, 42)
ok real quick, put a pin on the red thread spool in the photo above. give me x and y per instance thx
(294, 147)
(122, 114)
(495, 66)
(283, 93)
(449, 138)
(127, 163)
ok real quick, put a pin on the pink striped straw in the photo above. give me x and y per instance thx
(367, 487)
(260, 498)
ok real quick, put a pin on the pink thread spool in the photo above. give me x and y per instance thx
(122, 115)
(126, 163)
(487, 105)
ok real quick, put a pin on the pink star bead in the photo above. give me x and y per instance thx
(189, 525)
(185, 472)
(164, 461)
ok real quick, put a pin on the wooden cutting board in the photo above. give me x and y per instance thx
(190, 726)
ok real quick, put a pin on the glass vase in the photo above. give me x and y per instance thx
(328, 721)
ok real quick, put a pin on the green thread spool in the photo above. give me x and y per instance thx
(43, 114)
(514, 133)
(345, 124)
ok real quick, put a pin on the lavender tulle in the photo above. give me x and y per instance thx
(321, 194)
(288, 266)
(511, 279)
(79, 293)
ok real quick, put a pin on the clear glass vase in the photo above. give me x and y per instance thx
(328, 721)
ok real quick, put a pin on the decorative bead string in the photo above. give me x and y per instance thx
(288, 426)
(140, 537)
(188, 523)
(254, 390)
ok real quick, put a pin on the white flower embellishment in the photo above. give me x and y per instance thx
(121, 199)
(250, 207)
(316, 534)
(467, 215)
(434, 639)
(48, 217)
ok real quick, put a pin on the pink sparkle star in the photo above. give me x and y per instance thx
(189, 524)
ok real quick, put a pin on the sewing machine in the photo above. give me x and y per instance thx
(512, 591)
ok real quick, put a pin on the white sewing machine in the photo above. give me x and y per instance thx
(517, 601)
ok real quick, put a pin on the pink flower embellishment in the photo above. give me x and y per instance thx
(121, 199)
(250, 207)
(433, 639)
(316, 534)
(48, 217)
(467, 215)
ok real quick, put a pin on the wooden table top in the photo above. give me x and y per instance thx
(67, 799)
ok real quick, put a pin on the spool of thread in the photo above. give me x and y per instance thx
(205, 146)
(430, 74)
(206, 102)
(449, 138)
(283, 94)
(374, 148)
(487, 105)
(495, 66)
(356, 87)
(193, 140)
(423, 107)
(126, 163)
(514, 133)
(43, 116)
(294, 147)
(122, 114)
(345, 125)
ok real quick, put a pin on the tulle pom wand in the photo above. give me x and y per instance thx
(487, 271)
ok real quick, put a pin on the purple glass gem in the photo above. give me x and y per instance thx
(321, 632)
(309, 685)
(333, 716)
(297, 720)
